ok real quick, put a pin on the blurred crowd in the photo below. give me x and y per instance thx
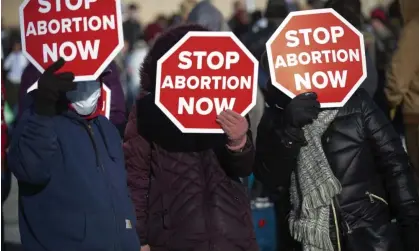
(381, 28)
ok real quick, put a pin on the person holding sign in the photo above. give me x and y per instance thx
(185, 186)
(342, 175)
(70, 167)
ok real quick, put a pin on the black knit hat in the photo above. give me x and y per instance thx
(349, 9)
(276, 9)
(163, 44)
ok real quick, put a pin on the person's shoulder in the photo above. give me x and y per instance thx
(358, 102)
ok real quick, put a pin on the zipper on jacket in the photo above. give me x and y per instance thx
(374, 197)
(100, 167)
(91, 136)
(335, 219)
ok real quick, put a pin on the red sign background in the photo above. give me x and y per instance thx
(283, 77)
(168, 99)
(111, 41)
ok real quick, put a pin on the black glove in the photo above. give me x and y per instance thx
(50, 88)
(302, 110)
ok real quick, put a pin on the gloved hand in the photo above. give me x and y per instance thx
(235, 126)
(50, 88)
(302, 110)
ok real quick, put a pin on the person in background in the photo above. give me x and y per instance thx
(384, 44)
(403, 79)
(132, 27)
(135, 60)
(255, 17)
(111, 79)
(175, 19)
(69, 163)
(240, 20)
(185, 7)
(14, 64)
(395, 15)
(162, 21)
(256, 38)
(186, 187)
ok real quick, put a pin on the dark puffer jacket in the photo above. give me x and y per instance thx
(367, 156)
(185, 187)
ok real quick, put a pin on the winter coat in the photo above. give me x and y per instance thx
(366, 155)
(185, 187)
(117, 114)
(72, 184)
(403, 74)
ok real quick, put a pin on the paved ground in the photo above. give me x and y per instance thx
(10, 211)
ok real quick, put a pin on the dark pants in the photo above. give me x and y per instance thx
(412, 143)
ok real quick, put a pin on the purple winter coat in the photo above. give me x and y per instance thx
(117, 115)
(185, 187)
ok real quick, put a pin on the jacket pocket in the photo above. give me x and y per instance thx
(100, 230)
(65, 224)
(373, 198)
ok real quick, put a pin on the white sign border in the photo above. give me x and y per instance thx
(180, 43)
(311, 12)
(105, 63)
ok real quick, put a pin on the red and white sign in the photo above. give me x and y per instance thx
(317, 51)
(105, 94)
(204, 74)
(86, 33)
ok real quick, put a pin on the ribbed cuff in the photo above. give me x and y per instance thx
(235, 147)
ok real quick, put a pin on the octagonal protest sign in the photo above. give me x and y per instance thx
(86, 33)
(317, 51)
(202, 75)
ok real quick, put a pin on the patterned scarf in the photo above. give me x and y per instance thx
(312, 195)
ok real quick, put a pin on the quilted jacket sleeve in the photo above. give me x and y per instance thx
(137, 158)
(238, 164)
(395, 166)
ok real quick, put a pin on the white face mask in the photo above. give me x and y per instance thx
(84, 98)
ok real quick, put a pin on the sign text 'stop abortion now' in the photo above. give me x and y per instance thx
(318, 51)
(86, 33)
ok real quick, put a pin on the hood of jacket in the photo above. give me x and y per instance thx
(207, 15)
(409, 9)
(152, 121)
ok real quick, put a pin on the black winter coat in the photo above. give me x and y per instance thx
(366, 155)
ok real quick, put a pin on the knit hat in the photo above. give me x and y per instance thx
(207, 15)
(349, 9)
(163, 44)
(276, 9)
